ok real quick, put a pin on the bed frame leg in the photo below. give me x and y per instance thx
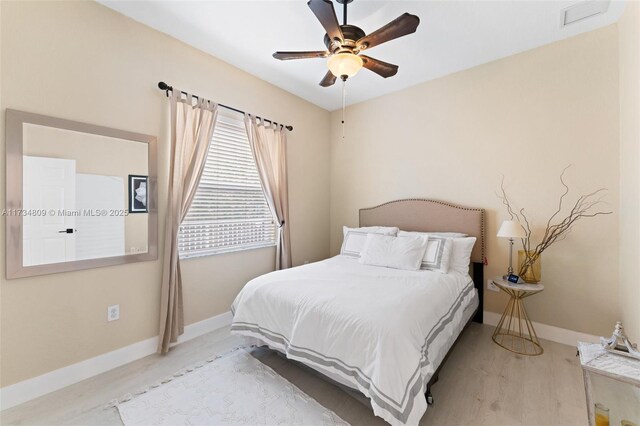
(427, 394)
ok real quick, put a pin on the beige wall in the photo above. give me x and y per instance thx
(99, 155)
(629, 34)
(527, 117)
(84, 62)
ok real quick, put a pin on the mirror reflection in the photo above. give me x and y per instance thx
(84, 196)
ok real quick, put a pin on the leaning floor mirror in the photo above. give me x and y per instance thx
(79, 196)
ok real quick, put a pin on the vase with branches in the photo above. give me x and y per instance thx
(587, 205)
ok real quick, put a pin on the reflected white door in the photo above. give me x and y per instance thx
(100, 234)
(49, 191)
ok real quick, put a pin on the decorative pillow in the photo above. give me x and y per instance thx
(354, 238)
(461, 254)
(438, 253)
(394, 252)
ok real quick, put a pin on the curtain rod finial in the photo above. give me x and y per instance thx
(164, 86)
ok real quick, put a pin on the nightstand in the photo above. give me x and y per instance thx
(514, 331)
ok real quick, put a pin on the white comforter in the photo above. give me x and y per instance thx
(381, 330)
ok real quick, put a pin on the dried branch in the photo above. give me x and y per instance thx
(526, 241)
(554, 232)
(505, 200)
(566, 191)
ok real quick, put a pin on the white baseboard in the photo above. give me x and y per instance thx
(199, 328)
(549, 332)
(29, 389)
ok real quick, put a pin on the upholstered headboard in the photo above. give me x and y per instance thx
(429, 216)
(435, 216)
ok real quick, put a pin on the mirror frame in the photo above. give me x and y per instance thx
(15, 121)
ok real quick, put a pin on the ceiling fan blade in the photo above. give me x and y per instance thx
(399, 27)
(381, 68)
(323, 9)
(285, 56)
(328, 80)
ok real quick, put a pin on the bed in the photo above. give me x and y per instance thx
(380, 331)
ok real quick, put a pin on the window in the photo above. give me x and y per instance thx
(229, 211)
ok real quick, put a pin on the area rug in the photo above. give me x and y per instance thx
(235, 389)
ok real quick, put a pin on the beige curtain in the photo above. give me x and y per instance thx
(191, 131)
(269, 148)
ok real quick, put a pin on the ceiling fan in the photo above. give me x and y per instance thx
(345, 43)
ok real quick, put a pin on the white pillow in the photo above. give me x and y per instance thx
(438, 253)
(447, 234)
(436, 234)
(394, 252)
(461, 254)
(354, 238)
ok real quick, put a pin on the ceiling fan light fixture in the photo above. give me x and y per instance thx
(344, 63)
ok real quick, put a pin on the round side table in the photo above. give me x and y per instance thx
(514, 331)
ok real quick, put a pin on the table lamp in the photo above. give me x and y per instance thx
(511, 229)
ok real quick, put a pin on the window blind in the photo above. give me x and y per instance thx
(229, 211)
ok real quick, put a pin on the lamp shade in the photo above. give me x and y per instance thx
(344, 64)
(511, 229)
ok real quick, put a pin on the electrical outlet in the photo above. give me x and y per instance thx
(113, 312)
(306, 262)
(491, 286)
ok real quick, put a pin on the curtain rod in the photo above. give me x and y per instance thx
(164, 86)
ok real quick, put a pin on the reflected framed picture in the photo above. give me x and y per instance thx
(138, 194)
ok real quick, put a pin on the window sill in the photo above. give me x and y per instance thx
(235, 250)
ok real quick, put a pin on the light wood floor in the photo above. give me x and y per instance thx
(481, 384)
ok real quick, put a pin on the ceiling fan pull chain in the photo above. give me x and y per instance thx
(344, 97)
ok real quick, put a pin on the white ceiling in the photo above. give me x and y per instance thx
(452, 36)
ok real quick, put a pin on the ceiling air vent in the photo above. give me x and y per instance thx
(581, 11)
